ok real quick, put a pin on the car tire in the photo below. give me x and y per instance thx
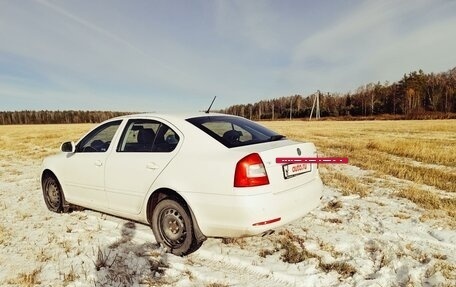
(52, 193)
(173, 227)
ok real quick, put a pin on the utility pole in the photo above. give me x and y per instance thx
(272, 110)
(259, 111)
(316, 106)
(291, 106)
(313, 106)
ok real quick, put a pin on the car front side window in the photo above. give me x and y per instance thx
(142, 135)
(99, 139)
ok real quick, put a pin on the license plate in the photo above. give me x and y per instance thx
(294, 169)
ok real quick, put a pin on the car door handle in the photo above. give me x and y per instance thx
(98, 163)
(151, 165)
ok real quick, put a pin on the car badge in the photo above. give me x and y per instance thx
(299, 151)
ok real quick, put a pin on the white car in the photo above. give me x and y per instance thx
(189, 177)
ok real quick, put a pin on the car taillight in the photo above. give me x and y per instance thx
(250, 171)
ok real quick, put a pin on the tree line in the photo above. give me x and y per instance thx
(56, 117)
(416, 95)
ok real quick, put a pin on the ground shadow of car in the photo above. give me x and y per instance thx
(126, 263)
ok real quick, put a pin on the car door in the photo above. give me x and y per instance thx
(144, 150)
(84, 169)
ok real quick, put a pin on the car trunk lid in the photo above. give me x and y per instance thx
(284, 176)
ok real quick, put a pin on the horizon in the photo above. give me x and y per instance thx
(176, 56)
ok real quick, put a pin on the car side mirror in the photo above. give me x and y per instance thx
(68, 147)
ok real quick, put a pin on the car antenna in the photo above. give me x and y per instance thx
(211, 105)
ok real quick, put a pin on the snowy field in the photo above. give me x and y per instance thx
(376, 240)
(387, 219)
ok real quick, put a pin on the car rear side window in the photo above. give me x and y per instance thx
(143, 135)
(234, 131)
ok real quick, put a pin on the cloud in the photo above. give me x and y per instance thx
(162, 55)
(249, 23)
(76, 55)
(378, 40)
(430, 48)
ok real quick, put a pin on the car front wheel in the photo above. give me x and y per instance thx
(173, 227)
(52, 193)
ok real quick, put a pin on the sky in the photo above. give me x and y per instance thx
(175, 56)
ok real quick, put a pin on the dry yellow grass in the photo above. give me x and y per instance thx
(217, 285)
(36, 141)
(422, 198)
(346, 184)
(429, 200)
(295, 252)
(422, 152)
(448, 270)
(5, 235)
(26, 279)
(414, 139)
(333, 206)
(419, 151)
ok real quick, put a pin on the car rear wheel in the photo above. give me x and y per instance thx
(173, 227)
(52, 193)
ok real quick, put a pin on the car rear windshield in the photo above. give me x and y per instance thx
(234, 131)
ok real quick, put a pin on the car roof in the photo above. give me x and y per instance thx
(172, 117)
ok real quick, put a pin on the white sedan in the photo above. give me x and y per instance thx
(189, 177)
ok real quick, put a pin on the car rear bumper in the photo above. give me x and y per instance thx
(246, 215)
